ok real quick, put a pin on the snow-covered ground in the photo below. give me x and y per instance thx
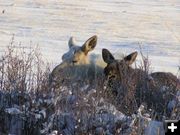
(121, 25)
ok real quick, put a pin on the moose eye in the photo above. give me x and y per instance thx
(112, 77)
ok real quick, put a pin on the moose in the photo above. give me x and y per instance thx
(136, 85)
(77, 64)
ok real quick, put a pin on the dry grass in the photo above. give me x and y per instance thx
(71, 106)
(25, 85)
(23, 79)
(23, 69)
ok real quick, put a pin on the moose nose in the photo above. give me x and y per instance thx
(74, 61)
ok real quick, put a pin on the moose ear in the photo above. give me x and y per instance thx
(71, 42)
(89, 45)
(107, 56)
(129, 59)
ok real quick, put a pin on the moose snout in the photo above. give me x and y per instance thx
(74, 61)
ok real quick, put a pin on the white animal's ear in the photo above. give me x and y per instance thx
(129, 59)
(107, 56)
(89, 45)
(71, 42)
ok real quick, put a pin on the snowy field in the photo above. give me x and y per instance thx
(121, 25)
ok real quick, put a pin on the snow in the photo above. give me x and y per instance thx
(105, 117)
(13, 111)
(55, 132)
(121, 26)
(155, 127)
(43, 112)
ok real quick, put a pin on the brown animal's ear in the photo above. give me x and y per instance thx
(131, 58)
(71, 42)
(107, 56)
(89, 45)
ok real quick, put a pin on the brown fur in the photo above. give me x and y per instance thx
(135, 85)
